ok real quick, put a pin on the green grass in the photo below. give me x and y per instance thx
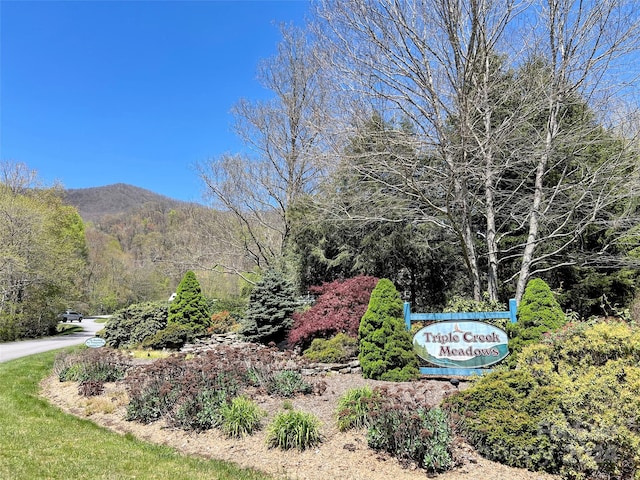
(39, 441)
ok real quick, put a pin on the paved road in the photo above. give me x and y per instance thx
(12, 350)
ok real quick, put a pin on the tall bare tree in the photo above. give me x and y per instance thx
(281, 163)
(583, 44)
(485, 129)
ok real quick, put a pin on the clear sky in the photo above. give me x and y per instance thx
(100, 92)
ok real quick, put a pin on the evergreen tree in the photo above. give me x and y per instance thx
(539, 312)
(386, 349)
(189, 308)
(271, 306)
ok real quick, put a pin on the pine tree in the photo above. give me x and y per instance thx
(269, 314)
(189, 308)
(386, 349)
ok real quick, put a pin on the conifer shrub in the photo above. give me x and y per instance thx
(271, 305)
(189, 308)
(174, 337)
(538, 313)
(386, 349)
(340, 348)
(338, 309)
(572, 406)
(131, 326)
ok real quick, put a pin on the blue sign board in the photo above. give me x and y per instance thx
(95, 342)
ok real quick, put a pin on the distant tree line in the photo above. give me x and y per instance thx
(43, 254)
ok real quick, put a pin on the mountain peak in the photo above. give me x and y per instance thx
(96, 202)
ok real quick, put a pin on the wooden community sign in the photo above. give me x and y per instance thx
(460, 343)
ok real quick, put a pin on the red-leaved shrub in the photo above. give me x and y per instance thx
(339, 308)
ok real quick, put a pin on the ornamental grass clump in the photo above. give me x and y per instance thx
(241, 417)
(294, 429)
(355, 407)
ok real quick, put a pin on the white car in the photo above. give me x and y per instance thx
(71, 316)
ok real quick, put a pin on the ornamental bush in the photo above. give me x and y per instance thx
(338, 309)
(538, 313)
(189, 308)
(132, 325)
(386, 349)
(412, 435)
(572, 406)
(338, 349)
(271, 305)
(173, 337)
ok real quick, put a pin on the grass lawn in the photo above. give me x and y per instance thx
(38, 441)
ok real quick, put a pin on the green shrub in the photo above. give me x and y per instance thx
(189, 308)
(538, 313)
(173, 337)
(241, 417)
(99, 364)
(130, 326)
(286, 383)
(294, 429)
(572, 406)
(386, 349)
(271, 305)
(200, 411)
(338, 349)
(354, 407)
(412, 435)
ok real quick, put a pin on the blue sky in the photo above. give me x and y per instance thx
(100, 92)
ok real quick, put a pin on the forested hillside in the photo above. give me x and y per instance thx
(141, 243)
(96, 202)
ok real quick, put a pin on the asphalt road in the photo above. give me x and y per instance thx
(12, 350)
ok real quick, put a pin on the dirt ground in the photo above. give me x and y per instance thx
(340, 456)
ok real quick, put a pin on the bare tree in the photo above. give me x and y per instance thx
(259, 186)
(486, 128)
(583, 44)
